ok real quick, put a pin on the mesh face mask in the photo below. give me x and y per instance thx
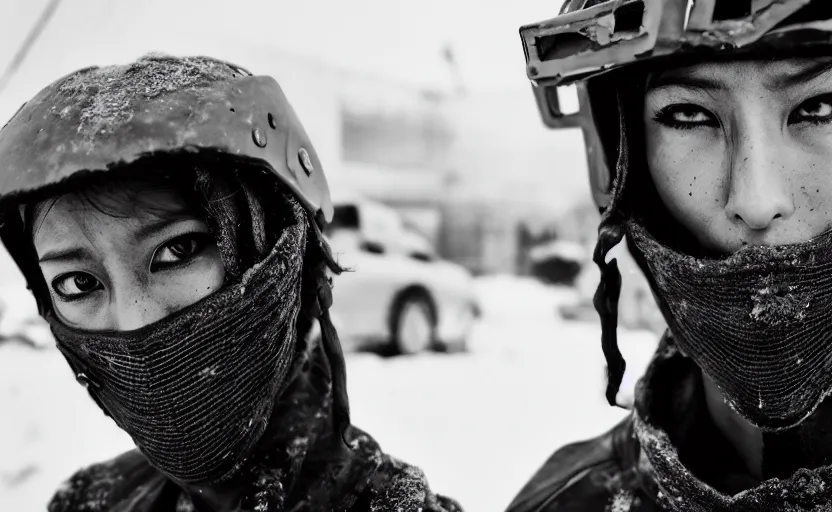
(195, 390)
(756, 322)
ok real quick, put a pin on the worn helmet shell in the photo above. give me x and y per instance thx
(594, 37)
(96, 119)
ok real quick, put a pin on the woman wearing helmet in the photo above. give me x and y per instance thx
(167, 216)
(715, 118)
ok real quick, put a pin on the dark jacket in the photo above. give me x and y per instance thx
(299, 465)
(587, 476)
(668, 455)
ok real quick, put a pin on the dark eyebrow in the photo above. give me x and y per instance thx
(150, 228)
(804, 75)
(685, 79)
(80, 253)
(66, 255)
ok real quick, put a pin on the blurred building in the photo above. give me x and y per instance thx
(455, 145)
(508, 171)
(467, 168)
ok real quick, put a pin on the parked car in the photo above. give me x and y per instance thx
(398, 294)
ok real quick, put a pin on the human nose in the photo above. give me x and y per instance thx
(759, 192)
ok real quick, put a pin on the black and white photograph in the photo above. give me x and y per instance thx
(436, 256)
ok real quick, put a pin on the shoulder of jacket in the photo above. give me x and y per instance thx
(394, 484)
(586, 474)
(100, 486)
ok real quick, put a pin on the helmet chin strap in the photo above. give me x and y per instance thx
(316, 301)
(606, 304)
(610, 233)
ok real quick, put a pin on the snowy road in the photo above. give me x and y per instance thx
(479, 423)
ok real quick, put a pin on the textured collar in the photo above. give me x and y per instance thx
(688, 466)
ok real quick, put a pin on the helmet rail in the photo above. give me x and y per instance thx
(594, 37)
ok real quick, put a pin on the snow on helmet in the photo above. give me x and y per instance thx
(593, 37)
(98, 118)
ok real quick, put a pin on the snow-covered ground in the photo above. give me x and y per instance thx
(478, 423)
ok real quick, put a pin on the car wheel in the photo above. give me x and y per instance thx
(414, 328)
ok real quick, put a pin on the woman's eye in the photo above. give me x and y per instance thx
(180, 250)
(76, 285)
(685, 116)
(816, 110)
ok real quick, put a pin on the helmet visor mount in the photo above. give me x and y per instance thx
(588, 41)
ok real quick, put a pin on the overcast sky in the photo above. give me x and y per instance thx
(398, 39)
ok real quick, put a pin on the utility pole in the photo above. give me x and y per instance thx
(449, 57)
(30, 40)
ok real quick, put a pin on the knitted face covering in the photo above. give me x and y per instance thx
(195, 390)
(757, 322)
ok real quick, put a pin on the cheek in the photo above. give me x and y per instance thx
(90, 313)
(688, 171)
(190, 284)
(812, 171)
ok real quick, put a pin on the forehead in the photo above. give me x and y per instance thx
(770, 73)
(76, 215)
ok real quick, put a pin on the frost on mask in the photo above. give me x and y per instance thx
(756, 321)
(775, 303)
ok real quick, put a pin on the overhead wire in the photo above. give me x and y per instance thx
(26, 46)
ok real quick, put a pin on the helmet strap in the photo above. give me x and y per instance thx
(316, 302)
(610, 233)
